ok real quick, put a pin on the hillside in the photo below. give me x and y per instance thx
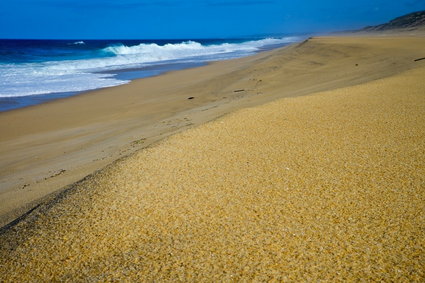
(409, 21)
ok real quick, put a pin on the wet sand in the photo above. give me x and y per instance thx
(326, 186)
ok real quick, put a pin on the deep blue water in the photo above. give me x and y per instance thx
(35, 71)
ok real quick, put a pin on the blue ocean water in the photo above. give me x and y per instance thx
(35, 71)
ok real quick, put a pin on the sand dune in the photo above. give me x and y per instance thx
(328, 186)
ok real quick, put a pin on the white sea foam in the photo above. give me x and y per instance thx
(25, 79)
(154, 52)
(78, 43)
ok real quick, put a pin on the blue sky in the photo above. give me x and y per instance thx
(150, 19)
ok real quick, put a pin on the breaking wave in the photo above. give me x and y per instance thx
(79, 43)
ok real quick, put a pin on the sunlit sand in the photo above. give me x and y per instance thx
(328, 186)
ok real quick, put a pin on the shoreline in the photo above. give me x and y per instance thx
(73, 137)
(126, 74)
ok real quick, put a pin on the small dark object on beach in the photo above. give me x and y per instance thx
(191, 97)
(419, 59)
(56, 174)
(357, 65)
(238, 90)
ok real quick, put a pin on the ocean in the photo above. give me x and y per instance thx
(36, 71)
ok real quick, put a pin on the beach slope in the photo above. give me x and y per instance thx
(328, 186)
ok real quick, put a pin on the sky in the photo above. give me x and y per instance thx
(190, 19)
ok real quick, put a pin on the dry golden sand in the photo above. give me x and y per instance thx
(322, 187)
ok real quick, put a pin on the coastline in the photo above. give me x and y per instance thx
(32, 77)
(129, 75)
(326, 186)
(73, 137)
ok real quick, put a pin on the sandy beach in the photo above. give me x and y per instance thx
(70, 138)
(317, 173)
